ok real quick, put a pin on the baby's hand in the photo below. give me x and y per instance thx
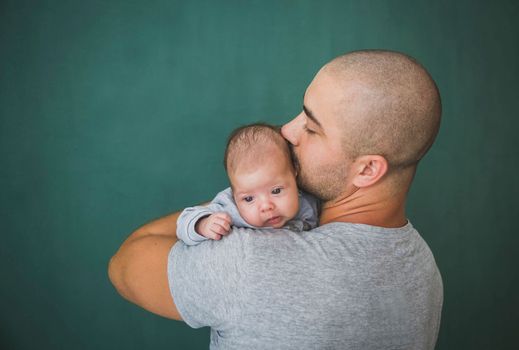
(214, 226)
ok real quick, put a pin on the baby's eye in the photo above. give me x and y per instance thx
(277, 190)
(248, 199)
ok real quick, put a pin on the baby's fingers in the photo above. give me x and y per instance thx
(223, 215)
(224, 220)
(224, 226)
(212, 234)
(219, 228)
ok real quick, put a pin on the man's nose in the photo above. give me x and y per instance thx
(291, 130)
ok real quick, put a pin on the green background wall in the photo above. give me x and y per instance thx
(116, 112)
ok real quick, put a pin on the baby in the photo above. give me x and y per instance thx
(263, 190)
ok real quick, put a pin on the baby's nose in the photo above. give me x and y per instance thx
(267, 205)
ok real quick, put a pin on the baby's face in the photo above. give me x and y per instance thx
(266, 195)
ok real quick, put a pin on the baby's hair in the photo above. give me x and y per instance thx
(249, 142)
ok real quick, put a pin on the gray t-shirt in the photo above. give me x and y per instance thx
(338, 286)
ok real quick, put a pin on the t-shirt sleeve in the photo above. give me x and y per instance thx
(205, 280)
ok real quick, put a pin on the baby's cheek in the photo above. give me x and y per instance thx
(294, 204)
(243, 211)
(248, 215)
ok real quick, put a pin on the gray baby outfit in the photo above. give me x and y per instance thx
(338, 286)
(305, 219)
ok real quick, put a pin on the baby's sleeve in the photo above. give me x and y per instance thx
(189, 217)
(308, 210)
(186, 224)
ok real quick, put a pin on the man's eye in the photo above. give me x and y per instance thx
(308, 131)
(248, 199)
(277, 190)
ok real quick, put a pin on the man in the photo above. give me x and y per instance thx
(364, 279)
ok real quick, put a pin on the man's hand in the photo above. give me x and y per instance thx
(214, 226)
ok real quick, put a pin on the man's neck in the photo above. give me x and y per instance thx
(364, 207)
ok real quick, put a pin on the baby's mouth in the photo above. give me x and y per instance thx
(274, 220)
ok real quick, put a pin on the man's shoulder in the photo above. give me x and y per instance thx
(345, 239)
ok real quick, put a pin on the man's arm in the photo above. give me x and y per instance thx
(139, 268)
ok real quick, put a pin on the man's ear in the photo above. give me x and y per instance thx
(369, 170)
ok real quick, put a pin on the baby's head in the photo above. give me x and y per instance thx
(262, 176)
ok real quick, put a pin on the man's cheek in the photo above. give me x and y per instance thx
(297, 163)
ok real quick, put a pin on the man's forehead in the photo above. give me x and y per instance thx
(328, 97)
(321, 101)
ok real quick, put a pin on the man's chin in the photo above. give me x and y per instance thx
(303, 185)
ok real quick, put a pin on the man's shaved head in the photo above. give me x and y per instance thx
(391, 105)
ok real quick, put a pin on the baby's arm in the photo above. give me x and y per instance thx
(214, 226)
(197, 224)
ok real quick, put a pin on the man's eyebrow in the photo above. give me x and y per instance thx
(310, 115)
